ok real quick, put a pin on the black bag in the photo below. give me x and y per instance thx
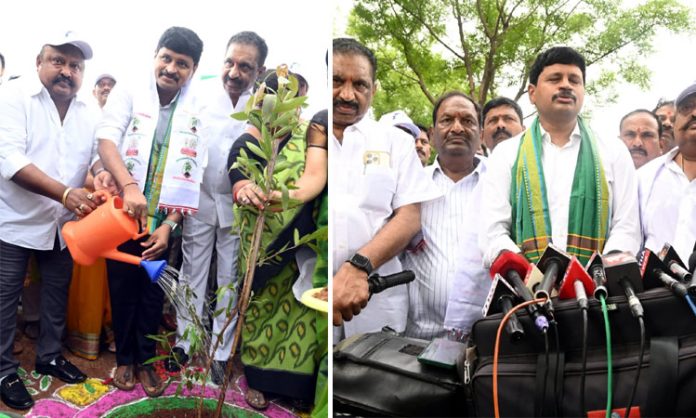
(379, 374)
(667, 385)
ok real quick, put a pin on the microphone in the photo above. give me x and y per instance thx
(553, 264)
(513, 266)
(692, 263)
(654, 275)
(676, 266)
(595, 268)
(623, 276)
(576, 284)
(501, 298)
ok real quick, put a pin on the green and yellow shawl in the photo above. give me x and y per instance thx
(589, 199)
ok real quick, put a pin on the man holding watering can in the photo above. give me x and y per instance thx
(151, 142)
(46, 146)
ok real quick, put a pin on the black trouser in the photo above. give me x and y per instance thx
(136, 307)
(55, 267)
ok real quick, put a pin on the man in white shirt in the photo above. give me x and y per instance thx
(501, 119)
(667, 188)
(153, 142)
(640, 130)
(603, 175)
(211, 227)
(377, 185)
(447, 264)
(46, 146)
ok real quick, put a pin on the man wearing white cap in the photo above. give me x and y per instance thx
(46, 146)
(400, 119)
(666, 186)
(102, 87)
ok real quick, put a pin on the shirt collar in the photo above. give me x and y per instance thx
(478, 170)
(574, 135)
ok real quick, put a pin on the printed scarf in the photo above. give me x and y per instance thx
(589, 199)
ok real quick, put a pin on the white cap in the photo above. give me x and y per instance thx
(103, 76)
(400, 118)
(71, 38)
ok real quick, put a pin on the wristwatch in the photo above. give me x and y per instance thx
(171, 224)
(360, 261)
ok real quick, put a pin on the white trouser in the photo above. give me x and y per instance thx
(198, 240)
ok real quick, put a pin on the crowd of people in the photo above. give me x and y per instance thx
(496, 182)
(164, 144)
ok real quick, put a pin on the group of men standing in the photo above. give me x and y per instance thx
(554, 181)
(138, 147)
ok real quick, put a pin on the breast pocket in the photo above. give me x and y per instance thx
(378, 185)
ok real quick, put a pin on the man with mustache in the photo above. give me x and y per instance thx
(46, 146)
(211, 227)
(153, 144)
(102, 87)
(558, 182)
(450, 286)
(664, 110)
(667, 190)
(423, 145)
(502, 119)
(376, 193)
(640, 130)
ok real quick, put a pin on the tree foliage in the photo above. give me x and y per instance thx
(425, 48)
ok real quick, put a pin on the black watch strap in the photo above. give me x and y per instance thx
(361, 262)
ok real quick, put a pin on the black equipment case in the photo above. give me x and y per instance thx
(378, 374)
(667, 385)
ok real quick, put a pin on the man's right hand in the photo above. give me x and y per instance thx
(350, 293)
(135, 204)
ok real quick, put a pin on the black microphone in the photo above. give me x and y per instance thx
(513, 266)
(676, 266)
(377, 283)
(623, 277)
(501, 298)
(692, 263)
(654, 275)
(553, 263)
(595, 268)
(576, 284)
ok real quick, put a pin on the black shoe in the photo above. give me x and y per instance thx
(63, 370)
(217, 371)
(176, 360)
(14, 393)
(31, 329)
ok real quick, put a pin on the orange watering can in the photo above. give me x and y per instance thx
(102, 231)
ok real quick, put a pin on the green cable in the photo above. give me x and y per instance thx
(609, 368)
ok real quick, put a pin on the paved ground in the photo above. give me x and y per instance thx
(97, 398)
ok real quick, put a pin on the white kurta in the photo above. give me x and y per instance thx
(559, 170)
(449, 267)
(373, 172)
(667, 206)
(211, 227)
(31, 132)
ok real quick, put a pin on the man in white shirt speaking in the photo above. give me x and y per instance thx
(558, 182)
(377, 184)
(667, 188)
(448, 262)
(46, 146)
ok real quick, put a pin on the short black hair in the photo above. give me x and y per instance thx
(635, 112)
(662, 103)
(423, 129)
(556, 55)
(253, 39)
(500, 101)
(349, 46)
(182, 41)
(454, 93)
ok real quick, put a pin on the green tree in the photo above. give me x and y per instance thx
(425, 48)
